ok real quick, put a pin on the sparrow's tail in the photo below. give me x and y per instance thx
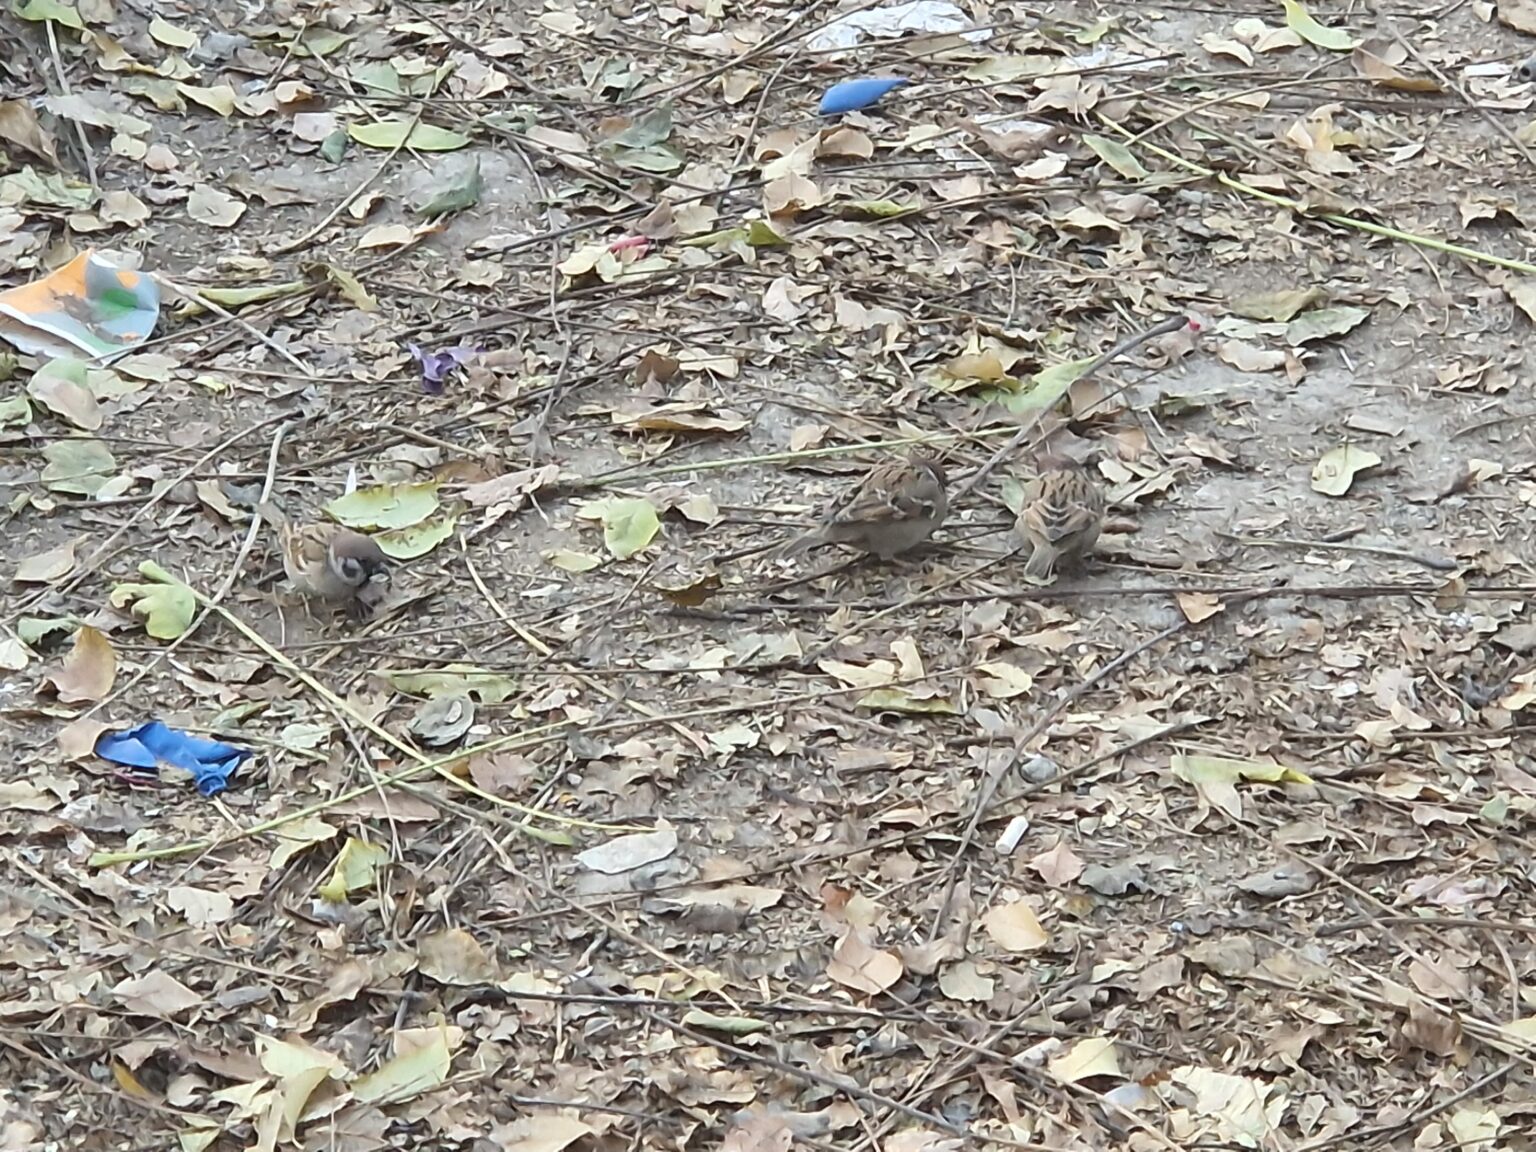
(804, 542)
(1041, 564)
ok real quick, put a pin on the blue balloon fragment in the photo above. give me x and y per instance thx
(152, 744)
(851, 95)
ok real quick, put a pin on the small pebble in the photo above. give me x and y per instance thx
(217, 47)
(1041, 770)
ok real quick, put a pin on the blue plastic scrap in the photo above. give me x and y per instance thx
(150, 745)
(851, 95)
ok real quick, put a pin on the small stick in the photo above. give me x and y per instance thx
(1434, 563)
(859, 625)
(105, 550)
(80, 133)
(223, 590)
(1130, 344)
(1046, 719)
(341, 205)
(1488, 118)
(224, 313)
(757, 115)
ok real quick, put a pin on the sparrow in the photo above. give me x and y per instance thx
(892, 510)
(326, 561)
(1059, 518)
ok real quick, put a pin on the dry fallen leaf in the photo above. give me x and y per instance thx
(1015, 927)
(156, 994)
(1198, 606)
(89, 669)
(1090, 1057)
(455, 957)
(410, 1074)
(207, 205)
(1058, 866)
(858, 965)
(626, 853)
(540, 1131)
(1335, 473)
(46, 567)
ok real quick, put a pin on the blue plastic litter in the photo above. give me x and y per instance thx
(851, 95)
(152, 744)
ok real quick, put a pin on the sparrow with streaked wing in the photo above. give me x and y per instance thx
(327, 561)
(1059, 518)
(894, 508)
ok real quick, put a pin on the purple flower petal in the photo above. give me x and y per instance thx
(439, 364)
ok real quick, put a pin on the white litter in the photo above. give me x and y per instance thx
(932, 16)
(1012, 834)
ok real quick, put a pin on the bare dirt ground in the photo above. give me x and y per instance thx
(597, 835)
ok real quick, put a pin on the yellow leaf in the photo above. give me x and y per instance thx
(568, 561)
(1003, 681)
(628, 526)
(1521, 1029)
(403, 134)
(1117, 156)
(1015, 928)
(1300, 22)
(1215, 778)
(1335, 473)
(409, 1074)
(1094, 1056)
(199, 1136)
(130, 1084)
(298, 835)
(220, 98)
(356, 865)
(417, 540)
(170, 35)
(300, 1069)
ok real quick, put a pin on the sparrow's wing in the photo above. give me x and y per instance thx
(1065, 505)
(1063, 523)
(890, 494)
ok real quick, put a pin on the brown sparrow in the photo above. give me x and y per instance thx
(1059, 518)
(891, 510)
(326, 561)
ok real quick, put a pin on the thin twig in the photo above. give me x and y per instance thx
(790, 29)
(757, 114)
(1434, 563)
(223, 590)
(1047, 717)
(911, 601)
(1447, 82)
(341, 205)
(105, 549)
(250, 329)
(1360, 1139)
(1129, 344)
(80, 133)
(517, 741)
(547, 654)
(1385, 231)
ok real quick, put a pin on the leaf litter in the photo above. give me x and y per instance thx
(576, 318)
